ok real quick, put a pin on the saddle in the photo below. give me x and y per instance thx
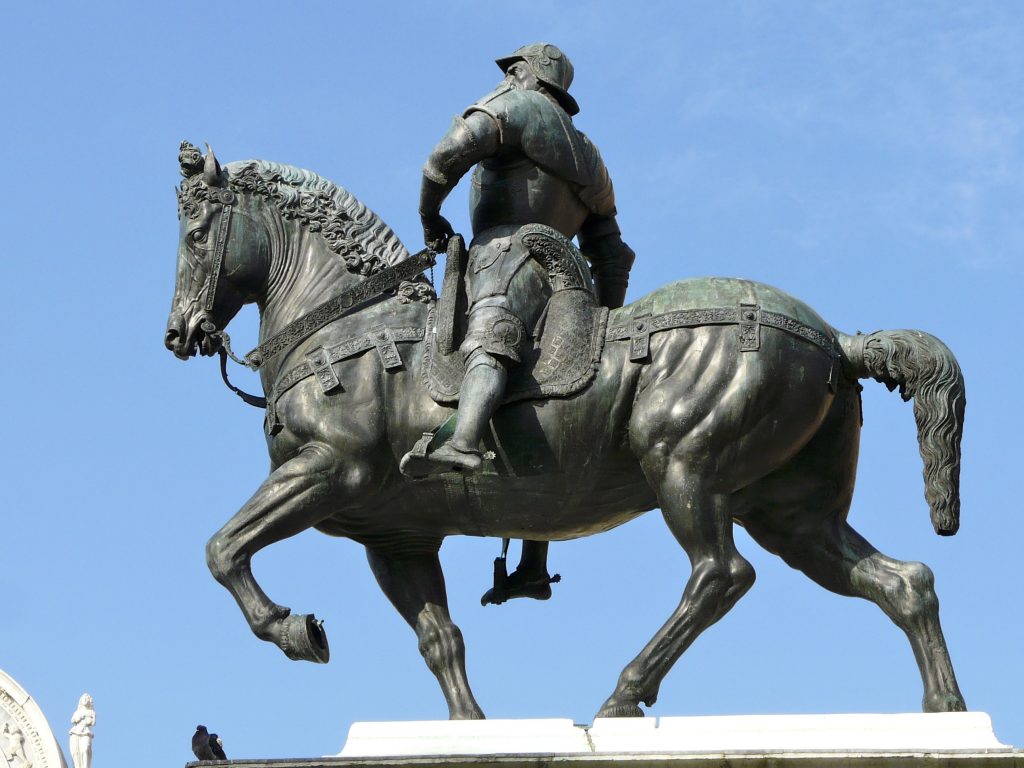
(565, 349)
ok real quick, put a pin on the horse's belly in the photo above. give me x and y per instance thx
(538, 507)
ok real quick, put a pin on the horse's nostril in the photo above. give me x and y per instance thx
(170, 337)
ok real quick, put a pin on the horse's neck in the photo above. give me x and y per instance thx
(304, 273)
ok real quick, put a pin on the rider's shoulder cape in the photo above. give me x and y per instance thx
(544, 132)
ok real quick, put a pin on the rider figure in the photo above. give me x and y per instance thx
(533, 166)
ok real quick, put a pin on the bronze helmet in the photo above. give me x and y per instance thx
(550, 66)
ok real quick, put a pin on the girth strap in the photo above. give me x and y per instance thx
(747, 316)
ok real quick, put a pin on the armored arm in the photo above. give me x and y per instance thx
(610, 258)
(469, 140)
(600, 240)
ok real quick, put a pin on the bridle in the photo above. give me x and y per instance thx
(209, 295)
(227, 199)
(343, 304)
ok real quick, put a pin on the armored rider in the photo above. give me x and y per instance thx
(533, 167)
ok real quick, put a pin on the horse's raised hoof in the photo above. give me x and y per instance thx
(619, 710)
(944, 702)
(303, 639)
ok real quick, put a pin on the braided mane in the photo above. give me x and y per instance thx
(349, 228)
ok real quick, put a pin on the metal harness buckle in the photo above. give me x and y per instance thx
(320, 363)
(384, 340)
(749, 322)
(640, 338)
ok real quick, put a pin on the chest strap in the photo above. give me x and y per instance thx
(319, 362)
(343, 304)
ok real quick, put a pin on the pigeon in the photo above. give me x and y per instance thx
(206, 745)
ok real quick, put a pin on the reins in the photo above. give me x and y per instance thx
(225, 352)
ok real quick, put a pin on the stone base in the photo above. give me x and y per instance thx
(948, 740)
(760, 733)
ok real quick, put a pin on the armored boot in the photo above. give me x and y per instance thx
(530, 578)
(482, 390)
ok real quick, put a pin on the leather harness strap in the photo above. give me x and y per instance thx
(343, 350)
(223, 227)
(320, 360)
(747, 316)
(343, 304)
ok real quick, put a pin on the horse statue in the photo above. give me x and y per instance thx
(719, 401)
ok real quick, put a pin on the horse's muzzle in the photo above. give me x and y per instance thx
(185, 339)
(174, 338)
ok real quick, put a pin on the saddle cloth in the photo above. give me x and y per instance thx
(562, 360)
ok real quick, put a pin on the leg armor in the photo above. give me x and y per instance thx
(493, 330)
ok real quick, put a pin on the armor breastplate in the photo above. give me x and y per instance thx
(511, 189)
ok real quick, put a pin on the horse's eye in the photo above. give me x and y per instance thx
(199, 236)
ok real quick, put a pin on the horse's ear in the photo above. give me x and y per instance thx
(211, 169)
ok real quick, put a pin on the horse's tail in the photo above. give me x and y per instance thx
(924, 369)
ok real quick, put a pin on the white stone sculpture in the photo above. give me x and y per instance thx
(81, 732)
(26, 740)
(15, 746)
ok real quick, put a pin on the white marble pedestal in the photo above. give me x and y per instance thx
(763, 734)
(953, 740)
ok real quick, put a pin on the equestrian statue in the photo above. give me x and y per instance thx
(527, 402)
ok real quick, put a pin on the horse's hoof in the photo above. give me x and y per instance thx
(944, 702)
(303, 639)
(470, 714)
(619, 710)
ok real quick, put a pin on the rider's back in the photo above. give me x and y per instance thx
(546, 171)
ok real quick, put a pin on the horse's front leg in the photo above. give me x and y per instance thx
(295, 497)
(414, 583)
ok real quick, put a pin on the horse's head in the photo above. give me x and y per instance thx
(223, 255)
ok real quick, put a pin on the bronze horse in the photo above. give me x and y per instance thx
(710, 434)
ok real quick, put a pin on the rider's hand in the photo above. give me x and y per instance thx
(610, 255)
(610, 262)
(436, 231)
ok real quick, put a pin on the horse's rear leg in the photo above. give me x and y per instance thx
(414, 583)
(841, 560)
(295, 497)
(702, 523)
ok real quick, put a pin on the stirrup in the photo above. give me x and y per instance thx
(419, 463)
(508, 588)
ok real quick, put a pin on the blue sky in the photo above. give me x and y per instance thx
(866, 157)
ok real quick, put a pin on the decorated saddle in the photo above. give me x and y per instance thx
(562, 354)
